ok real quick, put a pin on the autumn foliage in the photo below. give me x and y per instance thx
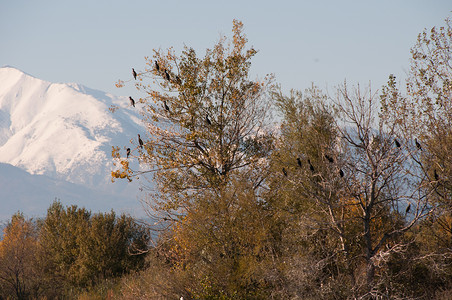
(68, 252)
(347, 197)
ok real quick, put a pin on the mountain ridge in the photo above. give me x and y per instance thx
(65, 132)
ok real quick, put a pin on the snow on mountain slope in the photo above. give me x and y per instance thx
(64, 132)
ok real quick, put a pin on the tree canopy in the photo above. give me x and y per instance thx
(348, 198)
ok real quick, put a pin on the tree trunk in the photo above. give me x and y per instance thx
(370, 274)
(370, 268)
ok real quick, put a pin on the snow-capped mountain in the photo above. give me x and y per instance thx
(65, 133)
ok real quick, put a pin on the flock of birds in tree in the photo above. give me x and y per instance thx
(341, 172)
(166, 76)
(209, 122)
(311, 167)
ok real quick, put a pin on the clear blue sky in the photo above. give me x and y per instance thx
(95, 43)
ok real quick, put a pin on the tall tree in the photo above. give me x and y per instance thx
(343, 186)
(429, 96)
(379, 177)
(424, 117)
(60, 233)
(424, 114)
(206, 146)
(19, 276)
(205, 120)
(307, 194)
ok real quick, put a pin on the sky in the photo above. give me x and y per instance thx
(324, 42)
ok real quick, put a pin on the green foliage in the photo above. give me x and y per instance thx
(225, 245)
(308, 133)
(309, 201)
(59, 235)
(81, 249)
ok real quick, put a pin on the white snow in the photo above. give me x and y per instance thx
(62, 131)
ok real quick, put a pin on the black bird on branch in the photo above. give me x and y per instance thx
(140, 141)
(195, 142)
(435, 175)
(284, 171)
(407, 210)
(397, 143)
(208, 120)
(417, 144)
(128, 152)
(134, 74)
(157, 67)
(341, 173)
(330, 159)
(299, 162)
(311, 167)
(132, 102)
(167, 75)
(166, 106)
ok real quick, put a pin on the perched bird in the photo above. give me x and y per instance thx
(134, 74)
(435, 175)
(407, 210)
(417, 144)
(330, 159)
(397, 143)
(166, 106)
(140, 141)
(208, 120)
(299, 162)
(132, 102)
(167, 75)
(157, 67)
(341, 173)
(128, 152)
(284, 171)
(311, 167)
(199, 147)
